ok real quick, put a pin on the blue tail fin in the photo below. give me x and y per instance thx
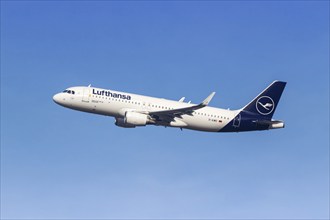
(265, 103)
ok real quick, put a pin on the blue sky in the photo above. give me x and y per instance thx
(58, 163)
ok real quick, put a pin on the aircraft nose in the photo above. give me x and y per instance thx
(57, 98)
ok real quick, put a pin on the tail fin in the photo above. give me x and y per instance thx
(265, 103)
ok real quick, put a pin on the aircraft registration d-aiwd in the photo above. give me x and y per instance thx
(132, 110)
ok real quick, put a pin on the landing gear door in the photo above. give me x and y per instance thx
(86, 95)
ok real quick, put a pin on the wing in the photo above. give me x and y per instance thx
(181, 111)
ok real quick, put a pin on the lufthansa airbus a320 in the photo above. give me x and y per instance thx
(132, 110)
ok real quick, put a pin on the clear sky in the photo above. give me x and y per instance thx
(59, 163)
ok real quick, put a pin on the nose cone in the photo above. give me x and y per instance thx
(58, 99)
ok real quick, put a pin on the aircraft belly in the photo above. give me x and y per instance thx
(202, 124)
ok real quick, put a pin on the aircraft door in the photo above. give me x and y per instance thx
(237, 121)
(86, 95)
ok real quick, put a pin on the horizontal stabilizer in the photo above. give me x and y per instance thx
(272, 124)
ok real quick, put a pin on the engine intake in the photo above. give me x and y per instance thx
(132, 119)
(136, 119)
(120, 122)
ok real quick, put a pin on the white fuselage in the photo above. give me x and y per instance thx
(116, 104)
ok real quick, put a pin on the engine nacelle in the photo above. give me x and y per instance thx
(120, 122)
(132, 119)
(136, 119)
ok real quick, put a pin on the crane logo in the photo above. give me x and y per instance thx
(265, 105)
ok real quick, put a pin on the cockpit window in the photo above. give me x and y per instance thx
(69, 91)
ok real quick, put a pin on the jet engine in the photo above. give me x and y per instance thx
(120, 122)
(132, 119)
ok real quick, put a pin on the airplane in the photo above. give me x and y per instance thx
(132, 110)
